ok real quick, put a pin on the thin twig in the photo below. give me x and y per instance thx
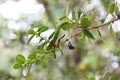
(91, 28)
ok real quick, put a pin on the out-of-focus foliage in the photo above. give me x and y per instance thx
(70, 41)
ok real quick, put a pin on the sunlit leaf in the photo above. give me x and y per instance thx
(62, 18)
(92, 19)
(30, 39)
(67, 25)
(70, 46)
(111, 8)
(112, 33)
(17, 66)
(87, 33)
(44, 61)
(42, 29)
(31, 32)
(32, 56)
(20, 59)
(85, 22)
(116, 9)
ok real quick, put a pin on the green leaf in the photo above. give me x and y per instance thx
(30, 39)
(99, 33)
(32, 56)
(42, 29)
(87, 33)
(111, 78)
(79, 13)
(60, 38)
(20, 59)
(111, 8)
(17, 66)
(92, 78)
(62, 18)
(116, 9)
(31, 32)
(70, 46)
(92, 19)
(112, 33)
(44, 61)
(51, 35)
(67, 25)
(85, 22)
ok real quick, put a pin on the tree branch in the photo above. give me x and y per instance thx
(91, 28)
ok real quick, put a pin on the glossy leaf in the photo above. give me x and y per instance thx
(70, 46)
(32, 56)
(67, 25)
(30, 39)
(31, 32)
(17, 66)
(42, 29)
(85, 22)
(111, 8)
(112, 33)
(20, 59)
(44, 61)
(87, 33)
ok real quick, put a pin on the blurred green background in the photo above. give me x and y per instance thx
(91, 58)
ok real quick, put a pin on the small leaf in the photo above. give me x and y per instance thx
(92, 19)
(42, 45)
(32, 56)
(62, 18)
(30, 39)
(111, 8)
(79, 13)
(17, 66)
(112, 33)
(41, 39)
(87, 33)
(111, 78)
(70, 46)
(116, 9)
(60, 38)
(85, 22)
(20, 59)
(99, 33)
(92, 78)
(31, 32)
(51, 35)
(44, 61)
(67, 25)
(61, 51)
(42, 29)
